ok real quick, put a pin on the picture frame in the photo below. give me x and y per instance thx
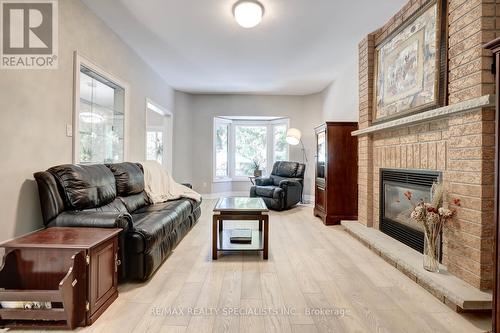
(410, 65)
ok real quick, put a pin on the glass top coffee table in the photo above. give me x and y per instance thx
(240, 209)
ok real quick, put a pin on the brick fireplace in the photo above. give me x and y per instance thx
(460, 146)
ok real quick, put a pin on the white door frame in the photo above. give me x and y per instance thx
(169, 144)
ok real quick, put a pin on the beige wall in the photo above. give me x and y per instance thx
(36, 105)
(305, 112)
(340, 98)
(183, 138)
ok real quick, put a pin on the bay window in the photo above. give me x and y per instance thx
(241, 146)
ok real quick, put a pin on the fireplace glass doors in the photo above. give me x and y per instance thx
(395, 208)
(398, 208)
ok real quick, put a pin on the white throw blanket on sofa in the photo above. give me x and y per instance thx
(160, 186)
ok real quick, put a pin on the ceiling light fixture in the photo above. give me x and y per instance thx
(248, 13)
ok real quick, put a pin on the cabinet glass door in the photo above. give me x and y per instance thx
(321, 153)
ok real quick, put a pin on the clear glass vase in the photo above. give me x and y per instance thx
(431, 252)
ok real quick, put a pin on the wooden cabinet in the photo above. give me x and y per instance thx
(45, 256)
(336, 171)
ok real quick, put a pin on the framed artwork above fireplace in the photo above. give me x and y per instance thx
(410, 65)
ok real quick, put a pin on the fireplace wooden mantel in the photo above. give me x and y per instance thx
(445, 111)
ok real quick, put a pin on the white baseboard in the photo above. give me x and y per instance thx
(225, 194)
(307, 198)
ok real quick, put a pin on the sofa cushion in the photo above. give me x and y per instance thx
(134, 202)
(85, 186)
(156, 222)
(153, 227)
(114, 206)
(265, 191)
(186, 206)
(129, 178)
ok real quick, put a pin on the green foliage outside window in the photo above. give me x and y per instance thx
(280, 144)
(221, 150)
(250, 146)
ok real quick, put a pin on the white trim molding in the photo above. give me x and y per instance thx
(169, 129)
(475, 103)
(80, 60)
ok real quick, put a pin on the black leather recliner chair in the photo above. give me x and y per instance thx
(283, 189)
(112, 196)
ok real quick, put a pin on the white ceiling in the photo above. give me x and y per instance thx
(196, 46)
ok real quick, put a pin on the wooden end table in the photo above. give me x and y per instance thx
(240, 209)
(45, 256)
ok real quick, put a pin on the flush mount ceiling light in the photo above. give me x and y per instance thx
(248, 13)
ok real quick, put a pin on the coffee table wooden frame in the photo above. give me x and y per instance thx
(238, 215)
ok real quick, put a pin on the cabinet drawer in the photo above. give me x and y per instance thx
(320, 197)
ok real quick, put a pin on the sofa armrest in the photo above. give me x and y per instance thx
(261, 181)
(297, 180)
(278, 193)
(290, 182)
(293, 191)
(253, 191)
(93, 220)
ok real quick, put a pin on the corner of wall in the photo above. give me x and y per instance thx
(183, 142)
(340, 97)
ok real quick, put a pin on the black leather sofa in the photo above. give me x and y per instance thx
(283, 189)
(112, 196)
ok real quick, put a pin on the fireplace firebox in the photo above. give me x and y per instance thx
(395, 208)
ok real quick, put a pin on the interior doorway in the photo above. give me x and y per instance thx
(159, 134)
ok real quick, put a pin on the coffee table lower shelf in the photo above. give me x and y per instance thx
(224, 242)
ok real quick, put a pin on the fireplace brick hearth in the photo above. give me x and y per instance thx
(461, 145)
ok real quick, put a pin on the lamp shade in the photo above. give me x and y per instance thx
(293, 136)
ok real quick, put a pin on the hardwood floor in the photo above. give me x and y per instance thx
(310, 266)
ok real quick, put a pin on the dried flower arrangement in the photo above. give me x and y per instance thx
(432, 216)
